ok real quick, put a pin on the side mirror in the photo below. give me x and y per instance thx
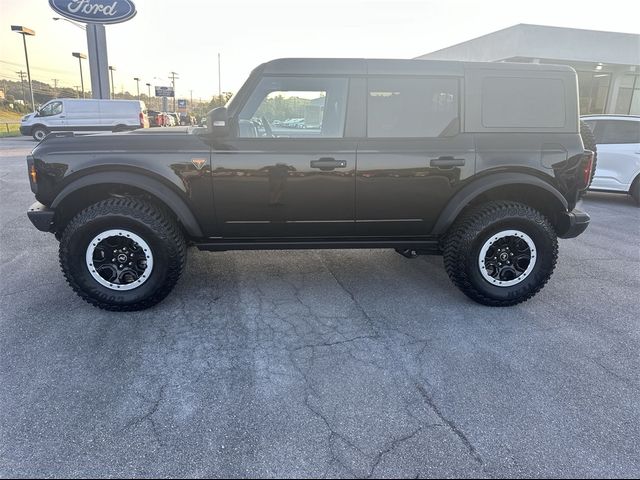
(218, 122)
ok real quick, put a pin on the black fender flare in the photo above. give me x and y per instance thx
(154, 187)
(477, 187)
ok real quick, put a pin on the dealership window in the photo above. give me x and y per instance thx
(295, 107)
(629, 95)
(412, 107)
(593, 90)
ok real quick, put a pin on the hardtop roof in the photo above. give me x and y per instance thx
(362, 66)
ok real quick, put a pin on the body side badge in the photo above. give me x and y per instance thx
(198, 162)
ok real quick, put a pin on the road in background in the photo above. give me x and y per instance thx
(320, 363)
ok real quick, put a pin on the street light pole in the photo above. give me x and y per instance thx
(112, 69)
(80, 57)
(138, 84)
(24, 31)
(76, 24)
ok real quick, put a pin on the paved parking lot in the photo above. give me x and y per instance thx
(320, 364)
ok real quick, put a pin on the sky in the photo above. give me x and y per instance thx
(186, 36)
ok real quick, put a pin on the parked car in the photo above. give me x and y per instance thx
(156, 119)
(80, 115)
(169, 120)
(618, 141)
(176, 118)
(480, 163)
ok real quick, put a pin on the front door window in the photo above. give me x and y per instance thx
(295, 107)
(51, 109)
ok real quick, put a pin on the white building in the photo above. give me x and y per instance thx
(608, 63)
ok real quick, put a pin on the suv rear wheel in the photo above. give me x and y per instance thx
(501, 253)
(122, 254)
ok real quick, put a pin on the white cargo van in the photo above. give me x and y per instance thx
(78, 115)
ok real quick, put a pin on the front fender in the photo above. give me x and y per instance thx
(154, 187)
(468, 193)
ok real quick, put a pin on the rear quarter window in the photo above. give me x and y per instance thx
(611, 132)
(517, 102)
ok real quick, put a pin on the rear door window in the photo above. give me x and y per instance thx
(412, 107)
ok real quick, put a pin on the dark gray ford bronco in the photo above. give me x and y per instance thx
(481, 163)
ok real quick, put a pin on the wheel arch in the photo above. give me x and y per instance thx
(515, 186)
(98, 186)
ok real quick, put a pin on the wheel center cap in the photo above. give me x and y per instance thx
(122, 258)
(504, 256)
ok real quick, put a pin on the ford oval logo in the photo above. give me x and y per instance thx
(95, 11)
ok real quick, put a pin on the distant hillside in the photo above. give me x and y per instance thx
(9, 116)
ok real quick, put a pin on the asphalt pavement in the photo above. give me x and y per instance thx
(291, 364)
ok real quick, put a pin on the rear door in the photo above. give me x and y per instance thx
(53, 116)
(414, 155)
(119, 112)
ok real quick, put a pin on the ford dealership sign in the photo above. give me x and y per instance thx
(95, 11)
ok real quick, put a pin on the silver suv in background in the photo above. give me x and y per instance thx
(618, 140)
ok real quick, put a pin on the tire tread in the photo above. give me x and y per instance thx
(143, 211)
(458, 243)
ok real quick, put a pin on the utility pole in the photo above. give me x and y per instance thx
(77, 87)
(24, 95)
(174, 77)
(55, 86)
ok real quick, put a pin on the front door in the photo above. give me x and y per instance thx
(288, 172)
(53, 115)
(414, 156)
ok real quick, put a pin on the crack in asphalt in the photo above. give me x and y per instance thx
(148, 416)
(452, 426)
(392, 446)
(340, 342)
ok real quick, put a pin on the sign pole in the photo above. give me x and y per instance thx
(96, 14)
(98, 61)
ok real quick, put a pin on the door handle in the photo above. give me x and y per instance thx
(447, 162)
(328, 163)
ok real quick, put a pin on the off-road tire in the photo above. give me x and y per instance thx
(589, 141)
(147, 220)
(464, 241)
(39, 132)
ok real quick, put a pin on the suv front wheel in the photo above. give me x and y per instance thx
(501, 253)
(122, 254)
(39, 133)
